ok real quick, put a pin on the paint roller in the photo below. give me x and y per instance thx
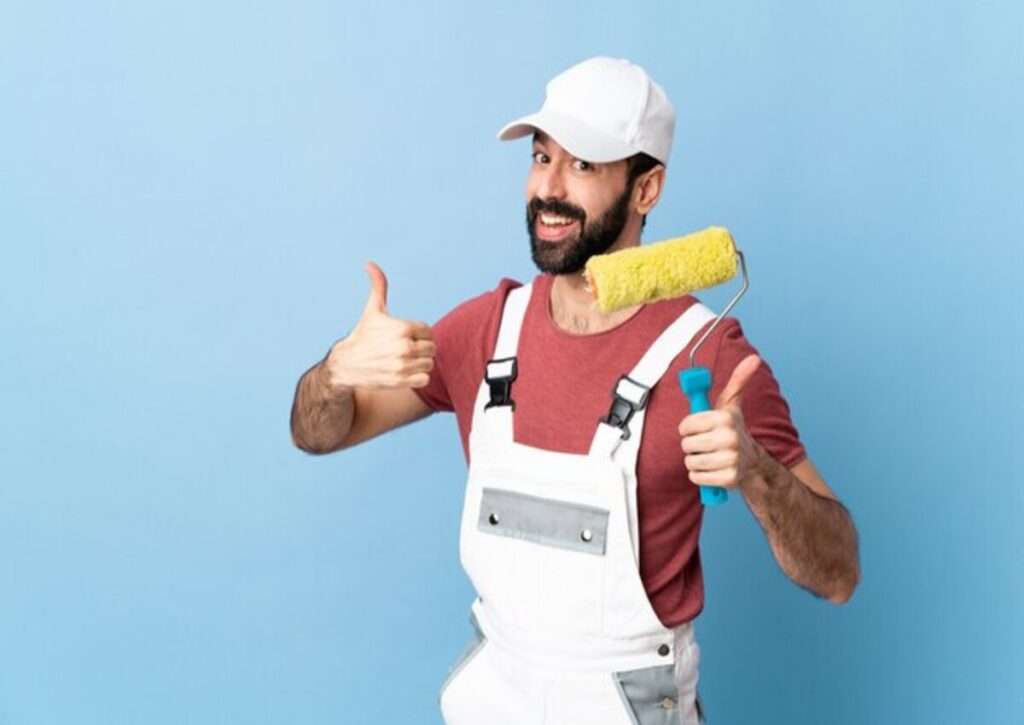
(665, 270)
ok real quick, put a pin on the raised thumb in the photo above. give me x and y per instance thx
(733, 389)
(378, 301)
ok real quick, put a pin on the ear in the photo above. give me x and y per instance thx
(647, 189)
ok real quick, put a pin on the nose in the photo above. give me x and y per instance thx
(550, 184)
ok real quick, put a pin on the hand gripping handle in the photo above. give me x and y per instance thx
(696, 382)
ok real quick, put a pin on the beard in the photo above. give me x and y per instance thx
(570, 255)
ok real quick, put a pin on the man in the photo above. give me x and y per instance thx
(580, 527)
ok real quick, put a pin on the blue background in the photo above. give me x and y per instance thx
(189, 194)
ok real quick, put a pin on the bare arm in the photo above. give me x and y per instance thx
(363, 387)
(324, 423)
(811, 534)
(321, 419)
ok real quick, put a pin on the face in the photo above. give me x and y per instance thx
(575, 209)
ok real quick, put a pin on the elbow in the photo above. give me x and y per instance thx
(849, 572)
(295, 430)
(841, 598)
(312, 448)
(297, 440)
(304, 445)
(844, 591)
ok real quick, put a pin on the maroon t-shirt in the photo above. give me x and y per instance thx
(564, 386)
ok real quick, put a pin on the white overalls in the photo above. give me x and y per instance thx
(565, 633)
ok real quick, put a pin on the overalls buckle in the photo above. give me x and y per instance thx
(499, 374)
(630, 396)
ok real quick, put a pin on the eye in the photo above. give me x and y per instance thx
(541, 154)
(581, 165)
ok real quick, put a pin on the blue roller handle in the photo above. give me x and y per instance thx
(696, 382)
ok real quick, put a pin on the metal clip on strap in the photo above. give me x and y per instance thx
(630, 396)
(499, 375)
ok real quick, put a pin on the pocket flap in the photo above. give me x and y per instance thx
(546, 521)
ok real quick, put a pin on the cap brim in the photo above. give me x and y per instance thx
(579, 139)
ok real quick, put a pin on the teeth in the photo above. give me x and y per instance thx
(554, 221)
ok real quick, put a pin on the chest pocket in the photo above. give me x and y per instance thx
(546, 558)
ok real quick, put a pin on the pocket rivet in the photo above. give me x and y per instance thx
(663, 650)
(493, 518)
(668, 703)
(586, 535)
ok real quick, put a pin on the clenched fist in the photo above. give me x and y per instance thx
(382, 351)
(719, 449)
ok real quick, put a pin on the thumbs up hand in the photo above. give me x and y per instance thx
(382, 351)
(719, 449)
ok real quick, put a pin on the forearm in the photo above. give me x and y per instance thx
(321, 418)
(812, 537)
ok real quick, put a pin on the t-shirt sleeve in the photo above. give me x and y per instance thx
(461, 337)
(765, 412)
(435, 394)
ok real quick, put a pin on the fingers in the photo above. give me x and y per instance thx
(383, 351)
(419, 331)
(722, 477)
(715, 442)
(419, 381)
(400, 355)
(712, 461)
(409, 351)
(414, 362)
(407, 369)
(418, 365)
(704, 421)
(423, 348)
(712, 441)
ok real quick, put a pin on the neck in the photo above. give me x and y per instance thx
(575, 309)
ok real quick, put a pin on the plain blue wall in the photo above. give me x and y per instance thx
(189, 193)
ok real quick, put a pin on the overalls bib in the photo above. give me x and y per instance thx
(565, 633)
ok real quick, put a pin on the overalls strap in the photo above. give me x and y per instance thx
(501, 370)
(620, 432)
(618, 436)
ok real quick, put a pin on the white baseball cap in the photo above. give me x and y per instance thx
(603, 109)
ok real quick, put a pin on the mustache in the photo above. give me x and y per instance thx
(553, 206)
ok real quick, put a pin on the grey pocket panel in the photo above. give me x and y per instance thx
(543, 520)
(650, 694)
(474, 645)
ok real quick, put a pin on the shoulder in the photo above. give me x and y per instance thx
(723, 348)
(474, 318)
(484, 305)
(726, 346)
(462, 337)
(730, 335)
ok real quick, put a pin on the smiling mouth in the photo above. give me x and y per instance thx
(553, 228)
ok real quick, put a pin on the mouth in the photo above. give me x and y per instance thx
(554, 228)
